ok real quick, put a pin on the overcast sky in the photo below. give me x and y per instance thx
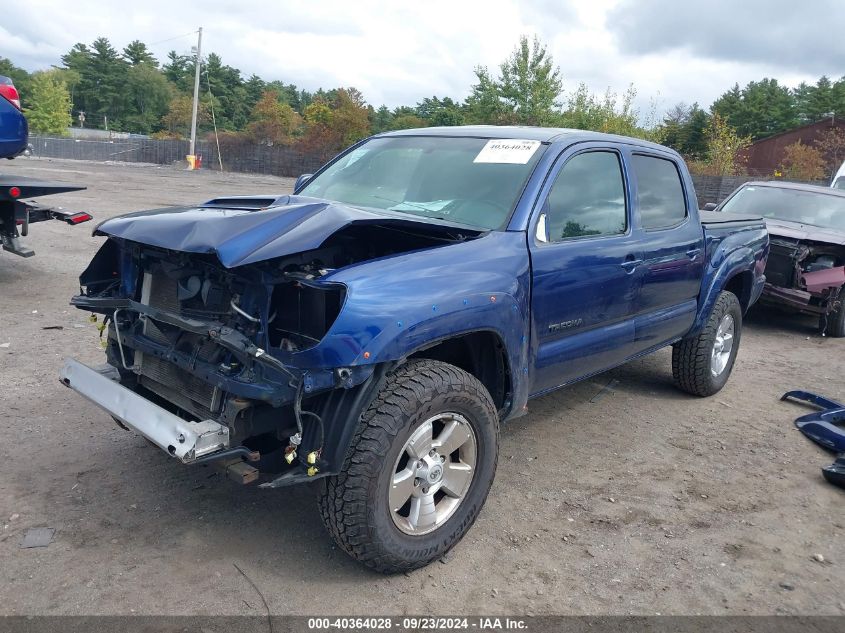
(399, 52)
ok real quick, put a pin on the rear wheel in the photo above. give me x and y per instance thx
(701, 365)
(418, 471)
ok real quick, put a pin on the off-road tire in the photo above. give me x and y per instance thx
(691, 357)
(354, 504)
(836, 319)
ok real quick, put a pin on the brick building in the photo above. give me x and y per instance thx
(766, 155)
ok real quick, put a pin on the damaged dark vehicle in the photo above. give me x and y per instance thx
(370, 332)
(806, 268)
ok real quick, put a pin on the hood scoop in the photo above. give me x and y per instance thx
(244, 202)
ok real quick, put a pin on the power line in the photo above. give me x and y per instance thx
(170, 39)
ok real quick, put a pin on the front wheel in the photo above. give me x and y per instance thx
(701, 365)
(418, 470)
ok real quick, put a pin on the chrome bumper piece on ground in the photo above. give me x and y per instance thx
(184, 440)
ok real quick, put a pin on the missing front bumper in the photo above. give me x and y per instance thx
(187, 441)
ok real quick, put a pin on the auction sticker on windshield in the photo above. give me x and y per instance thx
(513, 151)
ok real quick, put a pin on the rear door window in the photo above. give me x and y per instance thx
(660, 193)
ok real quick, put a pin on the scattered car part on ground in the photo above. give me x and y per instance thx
(373, 330)
(37, 537)
(826, 427)
(835, 473)
(806, 267)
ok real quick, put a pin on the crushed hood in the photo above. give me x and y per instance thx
(801, 232)
(241, 236)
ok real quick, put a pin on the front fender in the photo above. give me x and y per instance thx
(399, 305)
(420, 324)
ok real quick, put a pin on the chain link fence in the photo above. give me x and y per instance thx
(130, 150)
(249, 158)
(263, 159)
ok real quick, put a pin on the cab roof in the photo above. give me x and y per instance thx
(542, 134)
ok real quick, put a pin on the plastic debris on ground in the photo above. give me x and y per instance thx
(38, 537)
(826, 427)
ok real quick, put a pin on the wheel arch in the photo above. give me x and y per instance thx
(482, 354)
(742, 285)
(733, 276)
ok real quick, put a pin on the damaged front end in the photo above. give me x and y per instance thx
(213, 357)
(211, 344)
(805, 276)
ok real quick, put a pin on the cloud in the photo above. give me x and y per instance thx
(394, 52)
(397, 53)
(786, 36)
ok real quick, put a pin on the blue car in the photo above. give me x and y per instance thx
(14, 132)
(373, 330)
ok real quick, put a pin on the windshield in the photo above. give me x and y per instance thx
(839, 183)
(792, 205)
(470, 181)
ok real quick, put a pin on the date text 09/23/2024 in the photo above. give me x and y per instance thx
(418, 623)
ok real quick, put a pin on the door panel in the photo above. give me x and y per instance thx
(581, 305)
(585, 271)
(673, 247)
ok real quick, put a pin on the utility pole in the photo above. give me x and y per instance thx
(196, 94)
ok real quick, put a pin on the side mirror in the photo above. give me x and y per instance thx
(710, 206)
(301, 182)
(542, 230)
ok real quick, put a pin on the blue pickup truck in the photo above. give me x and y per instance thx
(373, 330)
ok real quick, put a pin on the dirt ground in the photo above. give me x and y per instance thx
(642, 501)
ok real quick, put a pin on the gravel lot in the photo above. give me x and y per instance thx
(643, 501)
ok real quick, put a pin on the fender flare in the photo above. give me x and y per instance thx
(734, 264)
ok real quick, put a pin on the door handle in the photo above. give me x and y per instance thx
(693, 253)
(630, 264)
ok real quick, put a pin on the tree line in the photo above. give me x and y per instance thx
(131, 91)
